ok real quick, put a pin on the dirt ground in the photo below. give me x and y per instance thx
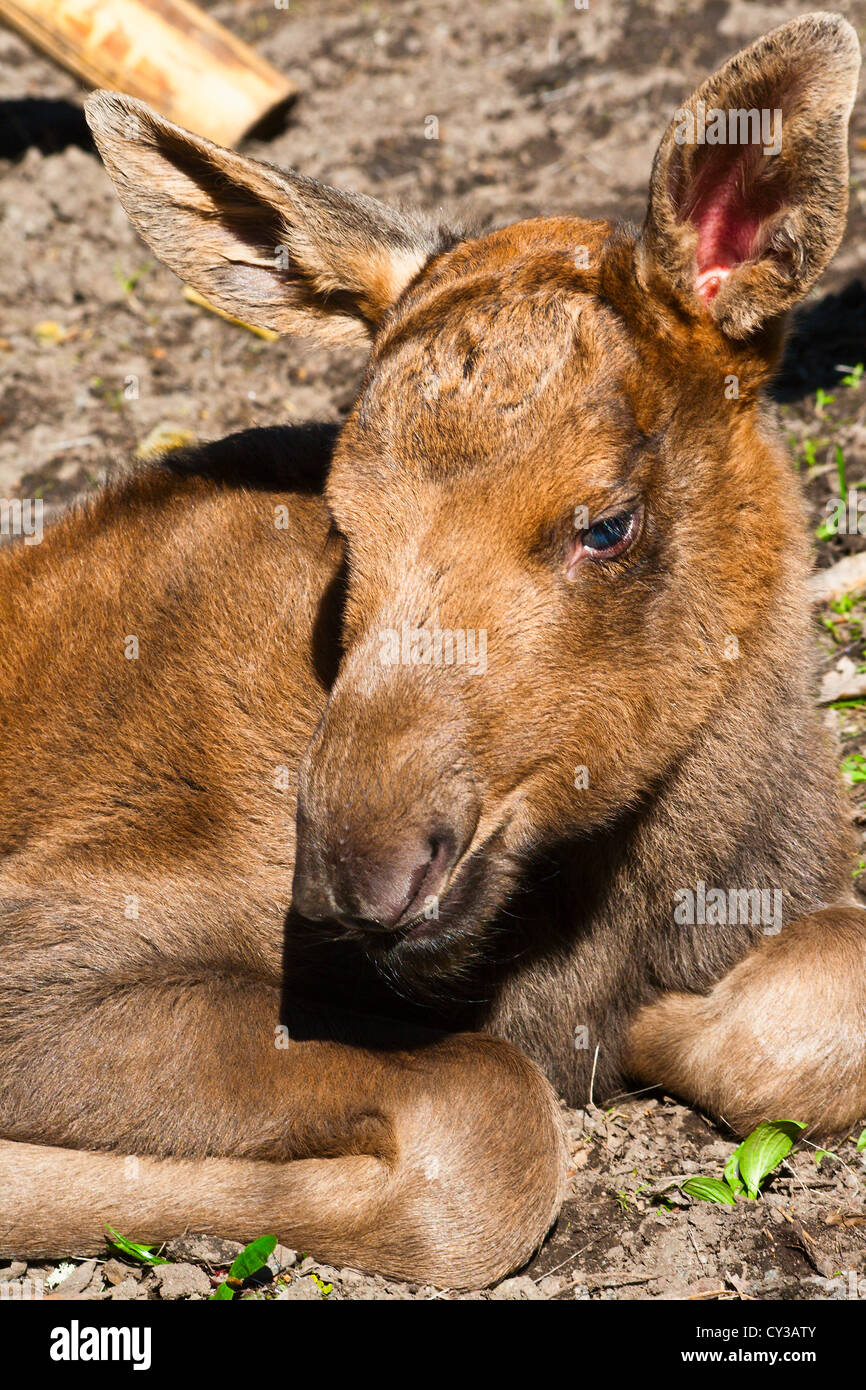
(541, 108)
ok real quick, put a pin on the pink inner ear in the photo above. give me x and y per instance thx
(727, 230)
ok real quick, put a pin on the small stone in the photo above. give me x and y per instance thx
(13, 1271)
(182, 1281)
(549, 1285)
(113, 1272)
(303, 1288)
(129, 1288)
(282, 1258)
(205, 1250)
(707, 1285)
(518, 1288)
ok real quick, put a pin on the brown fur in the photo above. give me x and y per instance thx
(152, 937)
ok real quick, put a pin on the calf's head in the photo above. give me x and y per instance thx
(564, 519)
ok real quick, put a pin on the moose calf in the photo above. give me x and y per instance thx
(306, 916)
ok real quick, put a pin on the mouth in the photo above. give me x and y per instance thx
(447, 961)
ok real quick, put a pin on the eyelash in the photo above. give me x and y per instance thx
(598, 555)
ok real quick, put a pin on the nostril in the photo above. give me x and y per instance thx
(441, 854)
(416, 882)
(427, 878)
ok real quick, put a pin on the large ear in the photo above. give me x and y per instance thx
(275, 249)
(749, 188)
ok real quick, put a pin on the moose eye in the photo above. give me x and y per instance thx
(605, 539)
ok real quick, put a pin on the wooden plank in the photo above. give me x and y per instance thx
(167, 52)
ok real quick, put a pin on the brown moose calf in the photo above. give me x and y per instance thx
(395, 824)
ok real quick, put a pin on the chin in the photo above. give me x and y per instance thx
(452, 958)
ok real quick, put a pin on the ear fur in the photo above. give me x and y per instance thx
(741, 229)
(275, 249)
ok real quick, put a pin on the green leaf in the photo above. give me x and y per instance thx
(142, 1254)
(221, 1292)
(253, 1257)
(732, 1173)
(764, 1150)
(709, 1190)
(820, 1154)
(861, 1143)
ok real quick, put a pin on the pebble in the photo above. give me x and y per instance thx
(182, 1281)
(299, 1289)
(113, 1272)
(206, 1250)
(519, 1287)
(128, 1289)
(281, 1259)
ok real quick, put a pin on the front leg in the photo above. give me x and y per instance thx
(438, 1159)
(781, 1036)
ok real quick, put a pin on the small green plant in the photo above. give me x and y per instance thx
(140, 1254)
(749, 1166)
(251, 1259)
(822, 400)
(828, 528)
(854, 374)
(861, 1143)
(128, 282)
(841, 473)
(854, 769)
